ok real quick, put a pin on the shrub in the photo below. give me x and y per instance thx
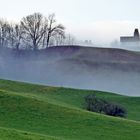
(94, 104)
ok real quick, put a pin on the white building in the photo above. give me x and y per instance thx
(131, 41)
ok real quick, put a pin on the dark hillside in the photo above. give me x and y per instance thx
(106, 69)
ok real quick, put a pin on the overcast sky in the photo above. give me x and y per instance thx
(98, 20)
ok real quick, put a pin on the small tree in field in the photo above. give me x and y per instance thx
(94, 104)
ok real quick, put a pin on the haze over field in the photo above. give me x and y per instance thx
(100, 26)
(111, 70)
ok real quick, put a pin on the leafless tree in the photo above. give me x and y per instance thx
(34, 31)
(54, 29)
(15, 36)
(34, 26)
(59, 40)
(4, 33)
(70, 40)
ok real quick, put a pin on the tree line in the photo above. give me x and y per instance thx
(33, 32)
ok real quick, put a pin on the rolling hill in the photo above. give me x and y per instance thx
(105, 69)
(33, 112)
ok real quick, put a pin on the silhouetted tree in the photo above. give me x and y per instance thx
(34, 26)
(15, 36)
(54, 29)
(34, 31)
(4, 33)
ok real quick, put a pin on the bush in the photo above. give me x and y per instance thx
(94, 104)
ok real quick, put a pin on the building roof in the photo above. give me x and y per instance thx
(135, 38)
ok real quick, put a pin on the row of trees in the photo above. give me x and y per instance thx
(33, 32)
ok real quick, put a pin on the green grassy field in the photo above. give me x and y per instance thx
(33, 112)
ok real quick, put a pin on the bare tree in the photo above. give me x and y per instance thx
(18, 35)
(59, 40)
(4, 33)
(53, 28)
(34, 26)
(15, 36)
(34, 31)
(70, 40)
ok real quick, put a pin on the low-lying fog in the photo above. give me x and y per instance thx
(70, 73)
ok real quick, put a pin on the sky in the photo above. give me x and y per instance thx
(101, 21)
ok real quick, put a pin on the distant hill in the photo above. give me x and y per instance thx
(107, 69)
(98, 57)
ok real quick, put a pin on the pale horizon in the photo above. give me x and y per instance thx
(101, 21)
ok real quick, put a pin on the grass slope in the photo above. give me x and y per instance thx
(58, 113)
(13, 134)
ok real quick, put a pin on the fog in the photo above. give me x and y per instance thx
(75, 69)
